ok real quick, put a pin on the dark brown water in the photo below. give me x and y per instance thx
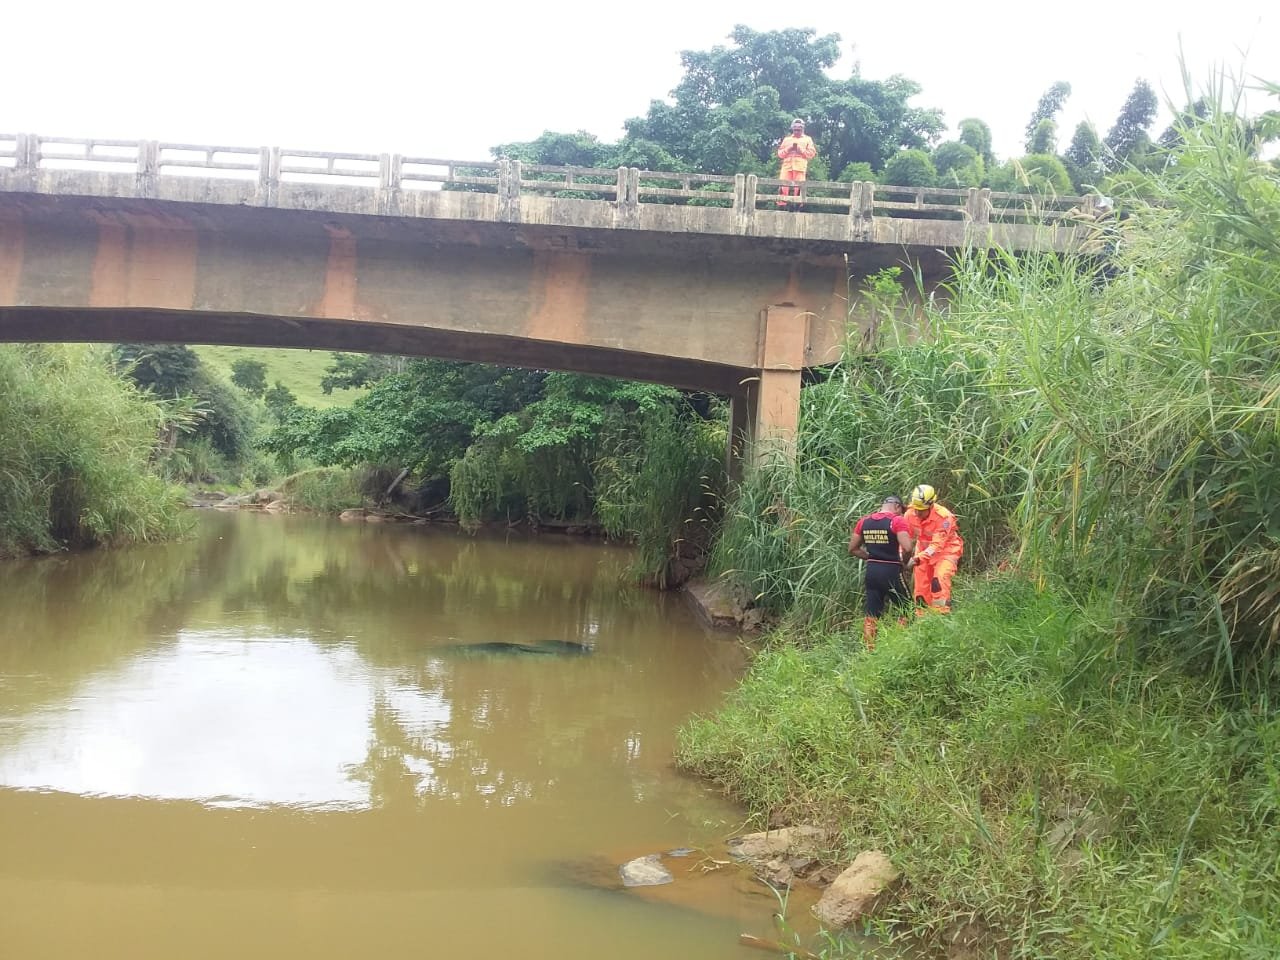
(273, 740)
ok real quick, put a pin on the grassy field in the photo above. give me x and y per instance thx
(299, 370)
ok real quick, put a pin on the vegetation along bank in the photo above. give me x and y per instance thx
(1083, 760)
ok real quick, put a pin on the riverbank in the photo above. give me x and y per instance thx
(1043, 795)
(1081, 761)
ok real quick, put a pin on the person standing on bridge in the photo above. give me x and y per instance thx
(883, 540)
(795, 151)
(938, 548)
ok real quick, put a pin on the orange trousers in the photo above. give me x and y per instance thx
(797, 177)
(933, 580)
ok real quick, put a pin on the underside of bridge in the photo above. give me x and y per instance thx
(738, 316)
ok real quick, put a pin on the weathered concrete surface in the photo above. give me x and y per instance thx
(513, 206)
(737, 301)
(701, 315)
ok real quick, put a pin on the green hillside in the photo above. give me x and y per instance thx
(299, 370)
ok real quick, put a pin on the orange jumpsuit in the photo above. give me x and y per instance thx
(938, 551)
(795, 154)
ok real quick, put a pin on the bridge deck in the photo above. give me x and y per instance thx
(835, 215)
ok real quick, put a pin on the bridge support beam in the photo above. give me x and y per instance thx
(765, 411)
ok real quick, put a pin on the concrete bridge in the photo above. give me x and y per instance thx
(693, 280)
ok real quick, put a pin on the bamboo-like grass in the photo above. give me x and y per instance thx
(77, 446)
(1082, 760)
(1111, 423)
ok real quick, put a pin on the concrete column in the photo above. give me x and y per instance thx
(27, 162)
(765, 413)
(782, 351)
(626, 205)
(509, 176)
(749, 191)
(390, 167)
(978, 205)
(268, 176)
(858, 223)
(868, 199)
(148, 169)
(742, 426)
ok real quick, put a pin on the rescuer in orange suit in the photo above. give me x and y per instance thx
(795, 151)
(938, 549)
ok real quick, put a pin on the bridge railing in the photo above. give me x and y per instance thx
(627, 187)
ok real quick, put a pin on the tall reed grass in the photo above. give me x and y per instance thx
(1117, 430)
(659, 483)
(1081, 760)
(76, 453)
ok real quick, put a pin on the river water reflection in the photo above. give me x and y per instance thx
(274, 740)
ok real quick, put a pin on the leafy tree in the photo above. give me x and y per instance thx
(853, 172)
(869, 121)
(540, 462)
(1045, 138)
(174, 370)
(352, 371)
(1047, 108)
(1127, 140)
(279, 400)
(976, 133)
(910, 168)
(1083, 158)
(167, 369)
(423, 417)
(250, 376)
(734, 102)
(958, 164)
(580, 149)
(229, 421)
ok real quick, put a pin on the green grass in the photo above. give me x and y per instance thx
(299, 370)
(323, 489)
(77, 453)
(1069, 805)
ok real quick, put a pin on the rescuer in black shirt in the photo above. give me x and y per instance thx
(884, 542)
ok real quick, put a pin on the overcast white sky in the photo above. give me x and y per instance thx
(453, 79)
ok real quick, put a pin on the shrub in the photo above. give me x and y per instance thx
(323, 489)
(1041, 174)
(910, 168)
(958, 164)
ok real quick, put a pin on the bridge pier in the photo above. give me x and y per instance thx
(764, 413)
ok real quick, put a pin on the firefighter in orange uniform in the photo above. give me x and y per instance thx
(938, 549)
(795, 152)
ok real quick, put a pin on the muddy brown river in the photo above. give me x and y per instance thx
(291, 737)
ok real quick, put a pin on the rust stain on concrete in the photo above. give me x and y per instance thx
(785, 332)
(109, 286)
(12, 244)
(339, 298)
(558, 294)
(162, 268)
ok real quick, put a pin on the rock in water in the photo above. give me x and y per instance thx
(550, 648)
(645, 872)
(782, 842)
